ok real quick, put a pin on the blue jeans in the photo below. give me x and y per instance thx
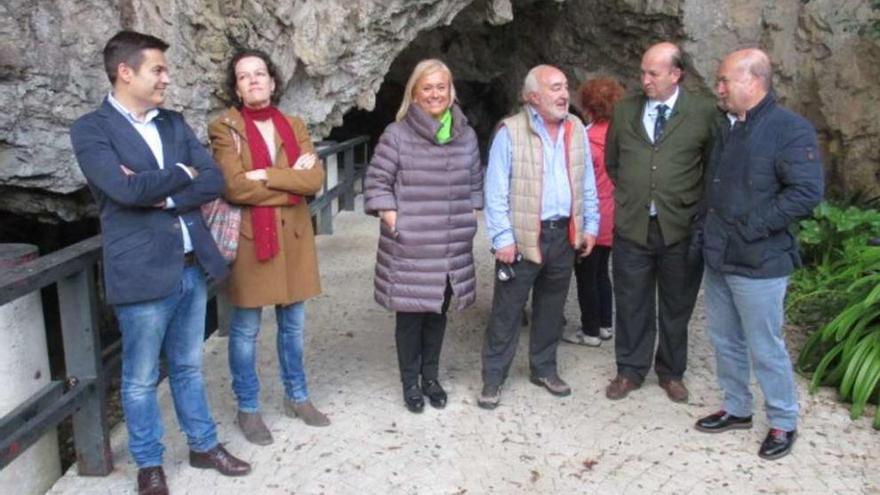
(174, 325)
(745, 316)
(243, 333)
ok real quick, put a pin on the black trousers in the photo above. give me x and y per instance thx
(419, 338)
(643, 275)
(594, 290)
(548, 283)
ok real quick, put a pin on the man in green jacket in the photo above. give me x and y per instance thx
(657, 146)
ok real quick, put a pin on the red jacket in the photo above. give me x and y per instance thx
(604, 187)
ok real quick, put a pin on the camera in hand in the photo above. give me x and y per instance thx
(506, 271)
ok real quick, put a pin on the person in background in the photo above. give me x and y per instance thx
(597, 100)
(425, 182)
(270, 167)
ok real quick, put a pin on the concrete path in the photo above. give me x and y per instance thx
(533, 442)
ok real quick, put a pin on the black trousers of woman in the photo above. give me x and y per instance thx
(594, 290)
(419, 338)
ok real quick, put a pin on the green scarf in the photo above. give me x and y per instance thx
(444, 134)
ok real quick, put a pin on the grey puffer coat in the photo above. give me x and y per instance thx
(435, 189)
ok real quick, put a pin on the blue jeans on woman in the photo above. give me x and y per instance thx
(175, 325)
(744, 316)
(244, 329)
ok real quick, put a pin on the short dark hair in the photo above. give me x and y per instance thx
(231, 95)
(126, 47)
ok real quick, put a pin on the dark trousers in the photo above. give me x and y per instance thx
(548, 283)
(594, 290)
(643, 275)
(419, 338)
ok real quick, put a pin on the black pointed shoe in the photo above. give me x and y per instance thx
(722, 421)
(778, 443)
(436, 394)
(412, 396)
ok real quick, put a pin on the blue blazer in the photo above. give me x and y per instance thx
(143, 245)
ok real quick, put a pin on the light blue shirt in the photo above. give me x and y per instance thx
(148, 130)
(556, 195)
(649, 117)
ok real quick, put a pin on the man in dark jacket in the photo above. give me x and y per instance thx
(764, 174)
(149, 176)
(657, 147)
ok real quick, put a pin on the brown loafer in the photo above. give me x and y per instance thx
(151, 481)
(675, 390)
(620, 387)
(221, 460)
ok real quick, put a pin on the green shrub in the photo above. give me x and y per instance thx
(839, 291)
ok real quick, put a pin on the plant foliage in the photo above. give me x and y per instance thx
(840, 290)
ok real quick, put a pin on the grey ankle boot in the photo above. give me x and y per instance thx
(305, 411)
(253, 428)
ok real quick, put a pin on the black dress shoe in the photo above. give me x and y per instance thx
(151, 481)
(412, 396)
(778, 443)
(221, 460)
(721, 421)
(436, 394)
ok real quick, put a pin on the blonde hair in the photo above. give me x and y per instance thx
(422, 69)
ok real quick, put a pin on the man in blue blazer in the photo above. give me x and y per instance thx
(149, 175)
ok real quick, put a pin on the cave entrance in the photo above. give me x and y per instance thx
(488, 63)
(490, 59)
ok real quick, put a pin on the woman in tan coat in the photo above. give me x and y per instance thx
(269, 165)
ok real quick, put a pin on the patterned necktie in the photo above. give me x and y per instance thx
(660, 123)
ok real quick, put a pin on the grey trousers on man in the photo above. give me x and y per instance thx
(548, 283)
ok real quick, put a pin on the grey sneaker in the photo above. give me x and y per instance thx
(490, 397)
(553, 384)
(306, 412)
(577, 336)
(253, 428)
(606, 333)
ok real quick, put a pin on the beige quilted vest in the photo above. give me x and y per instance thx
(526, 181)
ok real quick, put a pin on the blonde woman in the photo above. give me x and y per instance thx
(425, 182)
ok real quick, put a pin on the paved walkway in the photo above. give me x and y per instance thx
(533, 442)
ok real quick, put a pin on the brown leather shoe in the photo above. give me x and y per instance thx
(221, 460)
(675, 390)
(620, 387)
(151, 481)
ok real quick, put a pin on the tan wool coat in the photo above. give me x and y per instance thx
(291, 275)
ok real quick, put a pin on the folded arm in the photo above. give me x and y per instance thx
(103, 168)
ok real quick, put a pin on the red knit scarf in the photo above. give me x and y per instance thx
(263, 217)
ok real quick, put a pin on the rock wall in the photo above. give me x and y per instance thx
(333, 56)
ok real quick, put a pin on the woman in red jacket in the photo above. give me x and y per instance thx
(597, 99)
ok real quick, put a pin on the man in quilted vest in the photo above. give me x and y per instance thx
(541, 207)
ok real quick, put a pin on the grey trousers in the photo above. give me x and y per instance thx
(548, 283)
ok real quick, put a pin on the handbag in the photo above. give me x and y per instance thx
(224, 219)
(224, 222)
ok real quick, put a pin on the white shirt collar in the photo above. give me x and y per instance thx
(148, 116)
(651, 106)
